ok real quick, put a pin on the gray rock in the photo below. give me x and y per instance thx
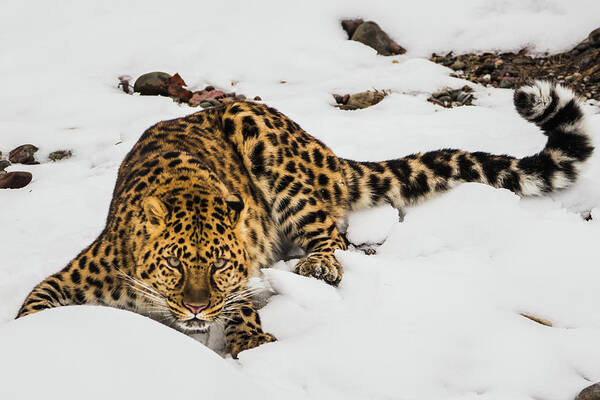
(4, 164)
(350, 25)
(23, 154)
(372, 35)
(210, 103)
(590, 393)
(594, 38)
(464, 98)
(60, 155)
(152, 84)
(506, 84)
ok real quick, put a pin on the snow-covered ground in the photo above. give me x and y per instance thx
(434, 315)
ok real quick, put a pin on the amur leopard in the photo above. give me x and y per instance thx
(203, 202)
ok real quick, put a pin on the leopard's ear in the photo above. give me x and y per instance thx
(235, 205)
(156, 213)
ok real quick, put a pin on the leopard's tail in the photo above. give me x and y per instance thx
(414, 178)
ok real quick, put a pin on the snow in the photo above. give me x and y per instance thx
(434, 315)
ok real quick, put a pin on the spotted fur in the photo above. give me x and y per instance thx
(203, 202)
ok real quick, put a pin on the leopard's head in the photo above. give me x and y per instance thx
(191, 265)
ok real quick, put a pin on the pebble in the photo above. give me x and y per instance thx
(15, 180)
(23, 154)
(210, 103)
(485, 69)
(198, 97)
(60, 155)
(458, 65)
(4, 164)
(449, 97)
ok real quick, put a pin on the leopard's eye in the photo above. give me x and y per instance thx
(173, 262)
(220, 263)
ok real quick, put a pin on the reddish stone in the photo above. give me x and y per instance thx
(15, 180)
(198, 97)
(177, 80)
(179, 92)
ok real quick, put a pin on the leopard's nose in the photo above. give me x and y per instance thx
(195, 308)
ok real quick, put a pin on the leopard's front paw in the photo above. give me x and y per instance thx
(242, 342)
(320, 266)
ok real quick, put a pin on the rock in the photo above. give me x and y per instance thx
(23, 154)
(179, 93)
(396, 49)
(590, 393)
(505, 84)
(372, 35)
(458, 65)
(350, 25)
(199, 97)
(240, 97)
(210, 103)
(15, 180)
(257, 98)
(442, 93)
(124, 83)
(60, 155)
(581, 47)
(4, 164)
(485, 69)
(464, 98)
(449, 97)
(522, 60)
(152, 84)
(594, 38)
(363, 100)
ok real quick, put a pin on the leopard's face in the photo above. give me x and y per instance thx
(191, 265)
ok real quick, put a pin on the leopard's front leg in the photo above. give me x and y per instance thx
(320, 239)
(243, 330)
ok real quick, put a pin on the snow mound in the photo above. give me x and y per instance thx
(86, 352)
